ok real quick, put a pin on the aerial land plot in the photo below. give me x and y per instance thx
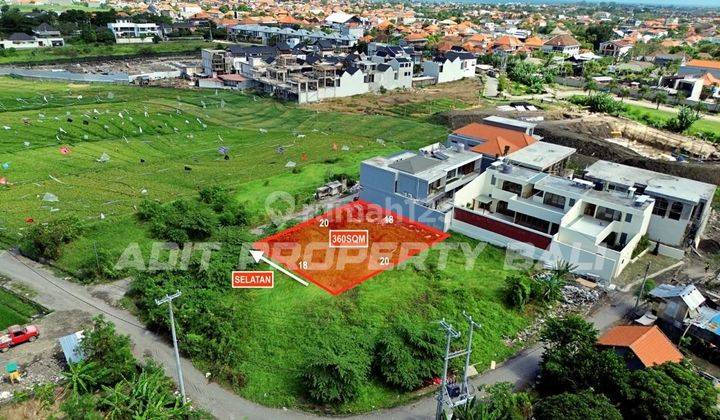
(348, 245)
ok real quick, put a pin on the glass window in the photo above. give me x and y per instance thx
(512, 187)
(628, 217)
(676, 210)
(661, 206)
(554, 200)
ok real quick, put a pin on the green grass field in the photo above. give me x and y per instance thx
(171, 131)
(657, 116)
(89, 51)
(14, 310)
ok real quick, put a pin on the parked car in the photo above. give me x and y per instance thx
(18, 335)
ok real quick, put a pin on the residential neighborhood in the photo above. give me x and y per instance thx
(272, 209)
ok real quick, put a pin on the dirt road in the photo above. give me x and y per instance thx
(62, 295)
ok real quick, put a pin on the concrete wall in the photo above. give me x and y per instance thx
(408, 208)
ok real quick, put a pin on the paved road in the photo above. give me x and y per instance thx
(62, 295)
(491, 87)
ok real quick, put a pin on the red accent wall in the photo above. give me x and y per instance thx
(514, 232)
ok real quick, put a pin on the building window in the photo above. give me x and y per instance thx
(492, 180)
(502, 208)
(623, 239)
(512, 187)
(610, 215)
(628, 217)
(676, 210)
(554, 200)
(661, 206)
(571, 202)
(532, 222)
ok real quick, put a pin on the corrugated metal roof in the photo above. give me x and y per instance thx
(689, 294)
(70, 345)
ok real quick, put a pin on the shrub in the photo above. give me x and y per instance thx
(585, 405)
(217, 197)
(99, 265)
(683, 120)
(44, 240)
(641, 246)
(183, 220)
(517, 291)
(405, 355)
(333, 378)
(149, 210)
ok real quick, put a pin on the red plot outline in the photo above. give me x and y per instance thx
(336, 216)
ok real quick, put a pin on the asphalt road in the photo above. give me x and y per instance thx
(61, 295)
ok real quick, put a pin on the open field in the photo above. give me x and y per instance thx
(701, 127)
(163, 144)
(261, 341)
(72, 52)
(14, 310)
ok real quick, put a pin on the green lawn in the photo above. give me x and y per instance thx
(59, 8)
(656, 117)
(71, 52)
(13, 310)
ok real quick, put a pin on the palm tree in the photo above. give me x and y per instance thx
(590, 86)
(643, 92)
(624, 92)
(698, 107)
(660, 98)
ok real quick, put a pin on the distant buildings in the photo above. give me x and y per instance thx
(23, 41)
(127, 32)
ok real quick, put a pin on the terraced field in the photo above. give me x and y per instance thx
(163, 144)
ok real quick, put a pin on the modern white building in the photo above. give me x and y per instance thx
(528, 202)
(450, 67)
(126, 32)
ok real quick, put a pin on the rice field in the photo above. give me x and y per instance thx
(14, 310)
(96, 151)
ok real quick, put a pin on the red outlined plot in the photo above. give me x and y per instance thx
(311, 251)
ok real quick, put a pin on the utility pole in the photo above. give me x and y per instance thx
(472, 325)
(168, 299)
(642, 287)
(450, 333)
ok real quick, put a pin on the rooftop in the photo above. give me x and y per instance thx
(430, 163)
(541, 155)
(669, 186)
(497, 140)
(649, 344)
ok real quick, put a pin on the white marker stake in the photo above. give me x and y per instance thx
(258, 255)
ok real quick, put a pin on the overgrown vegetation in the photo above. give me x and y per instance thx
(111, 383)
(44, 241)
(580, 381)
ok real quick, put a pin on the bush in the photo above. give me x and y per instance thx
(599, 102)
(406, 356)
(641, 246)
(683, 120)
(181, 221)
(517, 291)
(582, 406)
(43, 241)
(334, 378)
(149, 210)
(217, 197)
(99, 265)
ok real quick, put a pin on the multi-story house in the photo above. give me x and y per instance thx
(525, 199)
(682, 206)
(126, 32)
(564, 44)
(419, 185)
(451, 66)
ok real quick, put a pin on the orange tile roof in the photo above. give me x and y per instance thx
(711, 64)
(508, 40)
(534, 41)
(649, 344)
(710, 80)
(496, 138)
